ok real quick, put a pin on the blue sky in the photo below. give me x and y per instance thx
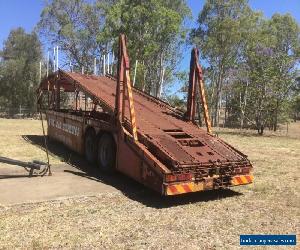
(26, 13)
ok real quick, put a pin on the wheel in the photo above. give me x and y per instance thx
(106, 157)
(90, 146)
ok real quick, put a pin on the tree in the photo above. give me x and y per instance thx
(219, 37)
(73, 25)
(155, 31)
(286, 34)
(271, 56)
(19, 69)
(251, 62)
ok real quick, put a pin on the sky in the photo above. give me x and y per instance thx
(26, 13)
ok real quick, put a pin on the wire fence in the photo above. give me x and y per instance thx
(20, 112)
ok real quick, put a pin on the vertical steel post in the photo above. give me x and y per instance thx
(124, 87)
(95, 66)
(57, 93)
(54, 60)
(120, 80)
(196, 79)
(104, 70)
(108, 68)
(135, 69)
(40, 76)
(191, 90)
(199, 78)
(56, 57)
(48, 58)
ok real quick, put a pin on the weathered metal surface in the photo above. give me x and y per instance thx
(196, 80)
(124, 89)
(167, 149)
(22, 163)
(62, 127)
(158, 125)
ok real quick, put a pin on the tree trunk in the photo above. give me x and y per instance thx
(276, 116)
(217, 104)
(261, 129)
(243, 105)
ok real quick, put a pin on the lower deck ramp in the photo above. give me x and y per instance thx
(174, 141)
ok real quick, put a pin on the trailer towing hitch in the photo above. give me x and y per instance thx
(42, 167)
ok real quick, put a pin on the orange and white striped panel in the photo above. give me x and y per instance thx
(241, 179)
(182, 188)
(131, 106)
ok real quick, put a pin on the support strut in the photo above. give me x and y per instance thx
(196, 80)
(124, 89)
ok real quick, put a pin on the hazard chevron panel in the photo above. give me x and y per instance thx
(241, 180)
(182, 188)
(189, 187)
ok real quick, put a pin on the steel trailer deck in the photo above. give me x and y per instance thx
(170, 154)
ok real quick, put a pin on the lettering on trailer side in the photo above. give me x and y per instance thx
(68, 128)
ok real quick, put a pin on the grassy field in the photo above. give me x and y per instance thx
(143, 220)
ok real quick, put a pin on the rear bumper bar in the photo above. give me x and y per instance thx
(208, 184)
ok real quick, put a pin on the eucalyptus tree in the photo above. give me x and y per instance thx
(73, 25)
(272, 55)
(219, 36)
(285, 33)
(19, 69)
(156, 32)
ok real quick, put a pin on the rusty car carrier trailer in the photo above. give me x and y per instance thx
(121, 128)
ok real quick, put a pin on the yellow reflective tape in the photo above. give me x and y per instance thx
(191, 187)
(180, 189)
(243, 178)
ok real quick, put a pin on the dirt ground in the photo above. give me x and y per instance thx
(131, 217)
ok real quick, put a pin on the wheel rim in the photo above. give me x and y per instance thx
(90, 147)
(106, 152)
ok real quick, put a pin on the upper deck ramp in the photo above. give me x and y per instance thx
(174, 141)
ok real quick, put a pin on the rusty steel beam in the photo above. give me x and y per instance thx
(124, 89)
(196, 80)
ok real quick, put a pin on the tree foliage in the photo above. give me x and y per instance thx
(85, 30)
(155, 31)
(73, 25)
(19, 69)
(252, 62)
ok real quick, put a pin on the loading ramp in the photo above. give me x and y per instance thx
(154, 139)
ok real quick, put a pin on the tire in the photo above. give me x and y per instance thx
(90, 146)
(106, 156)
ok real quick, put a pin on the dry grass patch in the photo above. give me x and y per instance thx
(146, 221)
(13, 142)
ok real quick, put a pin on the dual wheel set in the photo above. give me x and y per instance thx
(100, 149)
